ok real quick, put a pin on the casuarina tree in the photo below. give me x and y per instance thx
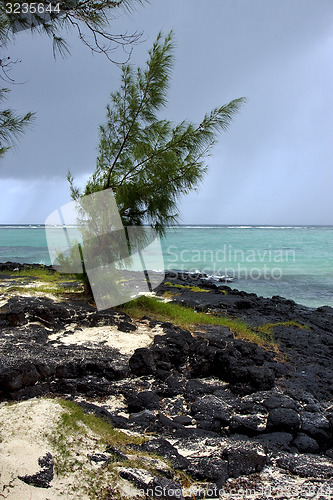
(149, 162)
(11, 125)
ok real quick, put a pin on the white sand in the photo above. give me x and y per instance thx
(110, 336)
(24, 431)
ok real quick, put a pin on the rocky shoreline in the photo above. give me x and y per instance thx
(225, 411)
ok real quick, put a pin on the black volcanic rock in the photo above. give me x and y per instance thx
(210, 468)
(244, 458)
(306, 465)
(275, 440)
(143, 400)
(162, 447)
(164, 488)
(251, 425)
(283, 420)
(211, 411)
(246, 371)
(316, 425)
(142, 362)
(305, 444)
(42, 478)
(216, 406)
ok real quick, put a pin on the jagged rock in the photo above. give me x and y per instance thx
(115, 453)
(16, 378)
(275, 440)
(196, 388)
(168, 423)
(144, 400)
(284, 420)
(143, 419)
(175, 406)
(142, 362)
(211, 413)
(210, 468)
(140, 477)
(279, 400)
(306, 465)
(98, 457)
(235, 365)
(244, 457)
(248, 424)
(201, 358)
(173, 347)
(160, 487)
(126, 326)
(183, 420)
(208, 423)
(243, 304)
(261, 378)
(121, 422)
(162, 447)
(115, 420)
(174, 385)
(305, 444)
(317, 427)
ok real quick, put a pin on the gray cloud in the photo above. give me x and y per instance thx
(272, 166)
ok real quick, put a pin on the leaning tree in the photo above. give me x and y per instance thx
(150, 162)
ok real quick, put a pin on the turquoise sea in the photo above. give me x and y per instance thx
(295, 262)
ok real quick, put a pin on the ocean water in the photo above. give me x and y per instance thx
(295, 262)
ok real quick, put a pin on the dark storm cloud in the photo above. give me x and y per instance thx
(276, 155)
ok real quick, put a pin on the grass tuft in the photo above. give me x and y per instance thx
(188, 287)
(42, 280)
(76, 431)
(78, 434)
(74, 417)
(268, 329)
(188, 318)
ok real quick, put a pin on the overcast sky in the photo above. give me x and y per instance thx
(275, 163)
